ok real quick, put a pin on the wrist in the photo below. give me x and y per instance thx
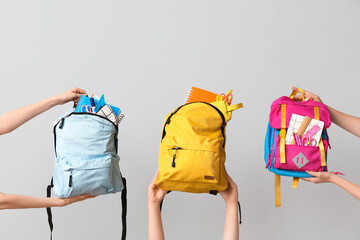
(154, 206)
(154, 202)
(58, 202)
(231, 203)
(333, 178)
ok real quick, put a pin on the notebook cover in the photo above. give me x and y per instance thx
(200, 95)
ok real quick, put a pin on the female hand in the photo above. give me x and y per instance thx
(61, 202)
(319, 177)
(70, 95)
(230, 195)
(308, 96)
(155, 194)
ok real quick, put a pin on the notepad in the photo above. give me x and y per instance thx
(108, 113)
(294, 126)
(200, 95)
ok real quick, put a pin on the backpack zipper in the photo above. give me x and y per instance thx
(175, 111)
(174, 156)
(70, 178)
(62, 120)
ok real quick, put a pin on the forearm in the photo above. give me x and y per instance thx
(345, 121)
(348, 186)
(155, 230)
(12, 201)
(13, 119)
(231, 229)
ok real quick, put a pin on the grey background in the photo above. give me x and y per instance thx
(144, 56)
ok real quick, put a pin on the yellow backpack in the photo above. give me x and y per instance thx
(192, 149)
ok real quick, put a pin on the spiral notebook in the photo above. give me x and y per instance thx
(200, 95)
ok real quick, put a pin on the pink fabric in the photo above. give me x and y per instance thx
(291, 151)
(300, 108)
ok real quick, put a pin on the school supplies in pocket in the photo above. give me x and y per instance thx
(305, 127)
(86, 158)
(192, 148)
(304, 121)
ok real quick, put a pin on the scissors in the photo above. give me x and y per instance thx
(87, 108)
(227, 97)
(309, 141)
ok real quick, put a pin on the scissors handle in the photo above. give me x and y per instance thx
(88, 109)
(309, 141)
(228, 97)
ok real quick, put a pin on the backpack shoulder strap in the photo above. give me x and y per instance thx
(295, 183)
(124, 209)
(277, 190)
(123, 214)
(48, 210)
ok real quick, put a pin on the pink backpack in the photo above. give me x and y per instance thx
(288, 153)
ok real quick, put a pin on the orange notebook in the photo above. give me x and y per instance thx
(200, 95)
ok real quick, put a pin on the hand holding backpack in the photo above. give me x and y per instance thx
(86, 159)
(192, 149)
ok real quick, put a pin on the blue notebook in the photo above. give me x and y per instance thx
(84, 105)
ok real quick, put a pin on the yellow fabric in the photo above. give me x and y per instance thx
(301, 91)
(322, 153)
(219, 98)
(321, 144)
(277, 190)
(283, 133)
(316, 113)
(198, 166)
(295, 182)
(235, 107)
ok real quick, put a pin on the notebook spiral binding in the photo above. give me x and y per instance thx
(120, 117)
(189, 95)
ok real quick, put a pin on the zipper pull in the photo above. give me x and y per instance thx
(173, 162)
(61, 123)
(174, 156)
(70, 178)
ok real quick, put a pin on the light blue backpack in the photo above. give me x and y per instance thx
(86, 159)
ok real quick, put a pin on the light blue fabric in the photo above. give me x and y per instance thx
(86, 159)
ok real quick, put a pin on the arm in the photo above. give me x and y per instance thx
(155, 196)
(350, 124)
(323, 177)
(12, 201)
(345, 121)
(13, 119)
(230, 195)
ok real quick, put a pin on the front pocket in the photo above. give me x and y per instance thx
(300, 158)
(190, 165)
(73, 178)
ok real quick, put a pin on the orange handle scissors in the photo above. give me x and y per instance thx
(228, 97)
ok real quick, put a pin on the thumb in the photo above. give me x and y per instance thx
(294, 88)
(315, 174)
